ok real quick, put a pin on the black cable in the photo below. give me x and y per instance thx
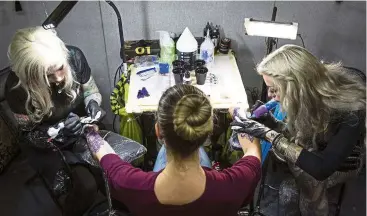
(118, 71)
(303, 43)
(113, 124)
(121, 32)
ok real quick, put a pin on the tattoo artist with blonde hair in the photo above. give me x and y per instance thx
(51, 83)
(323, 137)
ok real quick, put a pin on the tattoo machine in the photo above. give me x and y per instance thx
(261, 110)
(54, 131)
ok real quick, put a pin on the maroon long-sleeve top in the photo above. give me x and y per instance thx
(225, 191)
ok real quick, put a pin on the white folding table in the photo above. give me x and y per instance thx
(227, 91)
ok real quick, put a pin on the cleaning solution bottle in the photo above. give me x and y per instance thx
(207, 28)
(207, 51)
(187, 47)
(215, 36)
(167, 46)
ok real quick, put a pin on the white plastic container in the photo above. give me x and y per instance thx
(187, 48)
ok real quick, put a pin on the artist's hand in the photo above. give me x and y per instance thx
(95, 111)
(72, 125)
(250, 127)
(88, 128)
(269, 120)
(256, 105)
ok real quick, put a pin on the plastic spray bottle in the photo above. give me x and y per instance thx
(207, 51)
(167, 46)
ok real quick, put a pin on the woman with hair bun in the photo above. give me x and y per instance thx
(184, 186)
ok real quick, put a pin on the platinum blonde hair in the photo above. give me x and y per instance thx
(33, 53)
(311, 93)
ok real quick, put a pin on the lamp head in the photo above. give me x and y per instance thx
(271, 29)
(60, 12)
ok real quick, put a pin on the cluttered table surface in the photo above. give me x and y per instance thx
(223, 85)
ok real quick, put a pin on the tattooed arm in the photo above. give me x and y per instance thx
(97, 145)
(92, 99)
(91, 92)
(250, 145)
(83, 74)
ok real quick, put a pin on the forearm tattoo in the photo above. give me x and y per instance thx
(95, 141)
(245, 135)
(24, 122)
(91, 91)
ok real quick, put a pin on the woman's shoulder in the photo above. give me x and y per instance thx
(246, 168)
(235, 184)
(15, 96)
(79, 64)
(125, 175)
(351, 118)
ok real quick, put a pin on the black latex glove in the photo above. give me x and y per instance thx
(250, 127)
(72, 125)
(270, 121)
(256, 105)
(93, 108)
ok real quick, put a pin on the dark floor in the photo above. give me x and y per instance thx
(353, 201)
(17, 199)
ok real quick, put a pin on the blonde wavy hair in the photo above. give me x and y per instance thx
(311, 93)
(33, 53)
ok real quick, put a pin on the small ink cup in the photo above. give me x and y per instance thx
(199, 63)
(178, 74)
(178, 64)
(200, 74)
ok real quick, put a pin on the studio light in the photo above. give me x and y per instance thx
(58, 14)
(271, 29)
(63, 9)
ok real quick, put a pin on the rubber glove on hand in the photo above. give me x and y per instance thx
(94, 110)
(72, 125)
(250, 127)
(270, 121)
(257, 104)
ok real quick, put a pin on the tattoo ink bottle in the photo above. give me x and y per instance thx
(187, 78)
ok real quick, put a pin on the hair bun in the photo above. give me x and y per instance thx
(192, 117)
